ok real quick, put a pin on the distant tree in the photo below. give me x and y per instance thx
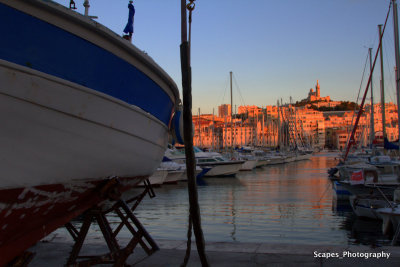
(347, 105)
(343, 106)
(325, 109)
(302, 103)
(242, 116)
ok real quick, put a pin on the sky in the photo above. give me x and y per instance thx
(275, 49)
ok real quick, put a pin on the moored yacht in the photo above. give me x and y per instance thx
(360, 178)
(214, 162)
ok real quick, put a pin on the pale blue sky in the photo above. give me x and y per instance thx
(275, 49)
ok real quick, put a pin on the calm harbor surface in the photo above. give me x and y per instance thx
(288, 203)
(291, 203)
(279, 215)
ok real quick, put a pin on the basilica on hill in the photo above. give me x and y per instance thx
(315, 96)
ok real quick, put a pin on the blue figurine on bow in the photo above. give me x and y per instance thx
(129, 26)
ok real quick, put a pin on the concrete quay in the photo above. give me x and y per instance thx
(172, 252)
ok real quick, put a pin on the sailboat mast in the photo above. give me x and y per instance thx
(295, 127)
(279, 127)
(213, 132)
(372, 127)
(226, 135)
(245, 128)
(382, 86)
(254, 142)
(352, 135)
(230, 74)
(263, 134)
(200, 145)
(397, 56)
(234, 134)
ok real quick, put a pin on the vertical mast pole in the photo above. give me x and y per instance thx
(213, 132)
(382, 86)
(226, 134)
(279, 127)
(295, 127)
(245, 128)
(234, 134)
(230, 76)
(200, 144)
(397, 55)
(254, 129)
(263, 134)
(372, 128)
(241, 131)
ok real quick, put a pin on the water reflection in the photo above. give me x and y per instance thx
(291, 203)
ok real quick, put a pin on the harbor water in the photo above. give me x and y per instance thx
(286, 203)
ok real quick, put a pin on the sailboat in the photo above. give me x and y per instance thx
(79, 106)
(391, 215)
(379, 170)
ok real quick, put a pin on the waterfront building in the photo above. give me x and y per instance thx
(224, 110)
(250, 111)
(296, 125)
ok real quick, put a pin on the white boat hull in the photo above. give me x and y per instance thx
(367, 208)
(174, 176)
(303, 157)
(390, 219)
(157, 178)
(275, 160)
(54, 130)
(261, 162)
(224, 169)
(248, 165)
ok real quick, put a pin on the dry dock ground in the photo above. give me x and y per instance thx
(55, 252)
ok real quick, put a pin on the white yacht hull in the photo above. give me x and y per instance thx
(249, 165)
(224, 169)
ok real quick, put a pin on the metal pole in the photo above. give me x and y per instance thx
(295, 127)
(200, 144)
(382, 86)
(254, 143)
(230, 75)
(263, 134)
(372, 128)
(279, 127)
(245, 128)
(397, 55)
(241, 131)
(235, 135)
(225, 135)
(213, 132)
